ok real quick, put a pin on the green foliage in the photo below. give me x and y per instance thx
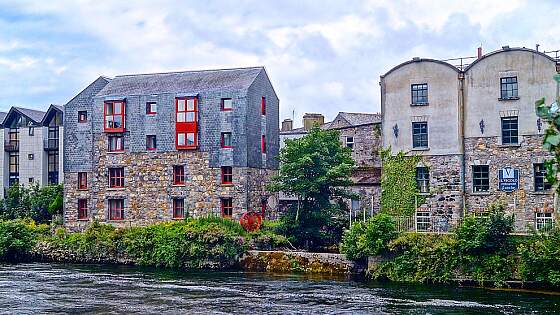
(39, 204)
(399, 191)
(315, 168)
(17, 238)
(540, 257)
(368, 238)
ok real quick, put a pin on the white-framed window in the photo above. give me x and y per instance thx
(544, 221)
(423, 221)
(350, 142)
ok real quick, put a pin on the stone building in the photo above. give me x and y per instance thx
(154, 147)
(477, 132)
(362, 133)
(31, 144)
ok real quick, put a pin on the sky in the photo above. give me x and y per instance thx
(322, 56)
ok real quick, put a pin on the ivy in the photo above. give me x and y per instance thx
(399, 191)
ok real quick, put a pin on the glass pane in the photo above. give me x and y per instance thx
(190, 116)
(190, 104)
(190, 138)
(181, 105)
(181, 139)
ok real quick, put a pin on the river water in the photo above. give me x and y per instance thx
(57, 288)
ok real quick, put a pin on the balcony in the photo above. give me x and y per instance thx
(11, 145)
(50, 144)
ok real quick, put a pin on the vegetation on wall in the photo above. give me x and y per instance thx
(38, 203)
(315, 168)
(399, 191)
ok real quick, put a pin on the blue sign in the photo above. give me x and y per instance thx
(508, 179)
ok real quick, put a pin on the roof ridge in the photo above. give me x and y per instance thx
(188, 71)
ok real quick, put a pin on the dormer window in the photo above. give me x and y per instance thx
(114, 116)
(419, 94)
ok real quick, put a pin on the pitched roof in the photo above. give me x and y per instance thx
(181, 82)
(35, 115)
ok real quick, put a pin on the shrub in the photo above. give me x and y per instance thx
(369, 238)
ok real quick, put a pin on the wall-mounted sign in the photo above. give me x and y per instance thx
(508, 179)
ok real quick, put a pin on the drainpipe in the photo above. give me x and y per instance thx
(462, 137)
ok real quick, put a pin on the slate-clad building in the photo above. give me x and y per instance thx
(155, 147)
(477, 132)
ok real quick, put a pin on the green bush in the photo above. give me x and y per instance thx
(368, 238)
(540, 258)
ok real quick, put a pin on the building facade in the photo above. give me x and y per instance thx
(477, 132)
(362, 133)
(154, 147)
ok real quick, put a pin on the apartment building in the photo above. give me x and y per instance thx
(477, 132)
(362, 133)
(31, 143)
(155, 147)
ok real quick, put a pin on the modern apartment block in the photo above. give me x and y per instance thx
(154, 147)
(477, 132)
(362, 133)
(32, 144)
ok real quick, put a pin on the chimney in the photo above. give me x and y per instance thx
(309, 119)
(287, 125)
(479, 52)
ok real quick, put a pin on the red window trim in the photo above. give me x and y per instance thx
(149, 108)
(225, 174)
(80, 120)
(122, 114)
(263, 144)
(224, 207)
(177, 175)
(227, 109)
(82, 208)
(263, 106)
(82, 179)
(176, 207)
(223, 140)
(186, 127)
(155, 143)
(119, 210)
(116, 176)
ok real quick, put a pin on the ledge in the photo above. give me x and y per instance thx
(509, 99)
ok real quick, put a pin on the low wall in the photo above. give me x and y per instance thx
(283, 261)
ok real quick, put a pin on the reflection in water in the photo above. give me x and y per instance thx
(43, 288)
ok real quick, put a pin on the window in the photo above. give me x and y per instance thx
(30, 156)
(226, 140)
(350, 142)
(178, 175)
(186, 125)
(227, 104)
(263, 105)
(82, 209)
(510, 130)
(423, 179)
(539, 172)
(82, 180)
(82, 116)
(227, 207)
(31, 131)
(116, 143)
(481, 178)
(508, 88)
(114, 116)
(116, 209)
(151, 108)
(150, 143)
(423, 221)
(116, 177)
(419, 134)
(53, 167)
(419, 93)
(178, 208)
(263, 144)
(227, 175)
(543, 221)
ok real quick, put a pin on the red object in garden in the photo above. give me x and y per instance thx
(251, 221)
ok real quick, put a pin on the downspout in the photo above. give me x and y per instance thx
(462, 138)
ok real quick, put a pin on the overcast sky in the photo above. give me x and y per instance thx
(322, 56)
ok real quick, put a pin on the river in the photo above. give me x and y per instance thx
(56, 288)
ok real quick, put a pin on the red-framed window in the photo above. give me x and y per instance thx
(114, 116)
(151, 108)
(82, 209)
(116, 177)
(227, 140)
(264, 204)
(151, 142)
(179, 175)
(178, 208)
(227, 207)
(263, 105)
(263, 144)
(115, 143)
(186, 126)
(227, 104)
(116, 209)
(82, 180)
(227, 175)
(82, 116)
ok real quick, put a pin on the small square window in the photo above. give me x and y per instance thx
(82, 209)
(419, 93)
(31, 131)
(116, 209)
(227, 141)
(227, 207)
(151, 108)
(481, 178)
(30, 156)
(178, 208)
(82, 116)
(227, 175)
(227, 104)
(178, 175)
(82, 180)
(150, 143)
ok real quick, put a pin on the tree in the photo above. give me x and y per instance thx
(315, 168)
